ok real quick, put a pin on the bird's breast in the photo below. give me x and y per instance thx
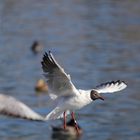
(77, 102)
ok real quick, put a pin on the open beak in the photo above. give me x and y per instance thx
(101, 98)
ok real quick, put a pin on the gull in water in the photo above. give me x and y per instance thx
(66, 97)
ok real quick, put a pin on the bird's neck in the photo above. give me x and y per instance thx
(85, 94)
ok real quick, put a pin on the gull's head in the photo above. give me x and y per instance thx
(94, 95)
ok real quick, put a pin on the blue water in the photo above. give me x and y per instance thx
(95, 41)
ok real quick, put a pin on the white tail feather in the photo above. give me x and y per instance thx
(56, 113)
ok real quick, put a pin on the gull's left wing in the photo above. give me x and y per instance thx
(58, 81)
(111, 87)
(10, 106)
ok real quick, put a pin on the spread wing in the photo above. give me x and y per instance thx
(12, 107)
(58, 81)
(110, 87)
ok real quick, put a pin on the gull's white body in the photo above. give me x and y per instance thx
(74, 102)
(65, 95)
(69, 103)
(68, 98)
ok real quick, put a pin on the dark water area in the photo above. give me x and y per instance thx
(95, 41)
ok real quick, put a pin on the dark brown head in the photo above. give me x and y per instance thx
(94, 95)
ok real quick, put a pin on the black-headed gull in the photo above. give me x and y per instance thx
(67, 97)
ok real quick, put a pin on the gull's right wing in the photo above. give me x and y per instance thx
(10, 106)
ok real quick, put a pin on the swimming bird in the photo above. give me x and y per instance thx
(66, 96)
(41, 86)
(36, 47)
(59, 131)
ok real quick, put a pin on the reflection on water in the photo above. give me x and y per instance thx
(95, 41)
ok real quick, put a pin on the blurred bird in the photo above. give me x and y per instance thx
(36, 47)
(10, 106)
(41, 86)
(59, 131)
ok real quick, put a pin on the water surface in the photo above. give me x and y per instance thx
(95, 41)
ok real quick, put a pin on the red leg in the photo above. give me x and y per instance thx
(64, 119)
(76, 126)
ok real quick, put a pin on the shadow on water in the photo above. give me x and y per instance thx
(95, 41)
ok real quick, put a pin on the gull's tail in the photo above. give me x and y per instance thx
(110, 87)
(56, 113)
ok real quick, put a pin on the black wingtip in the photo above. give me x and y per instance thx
(112, 82)
(46, 54)
(119, 81)
(125, 82)
(49, 51)
(48, 61)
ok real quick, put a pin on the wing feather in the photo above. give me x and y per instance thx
(110, 87)
(56, 113)
(58, 81)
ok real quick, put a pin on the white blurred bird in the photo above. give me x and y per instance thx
(66, 97)
(12, 107)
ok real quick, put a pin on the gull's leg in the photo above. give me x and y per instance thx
(76, 126)
(64, 119)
